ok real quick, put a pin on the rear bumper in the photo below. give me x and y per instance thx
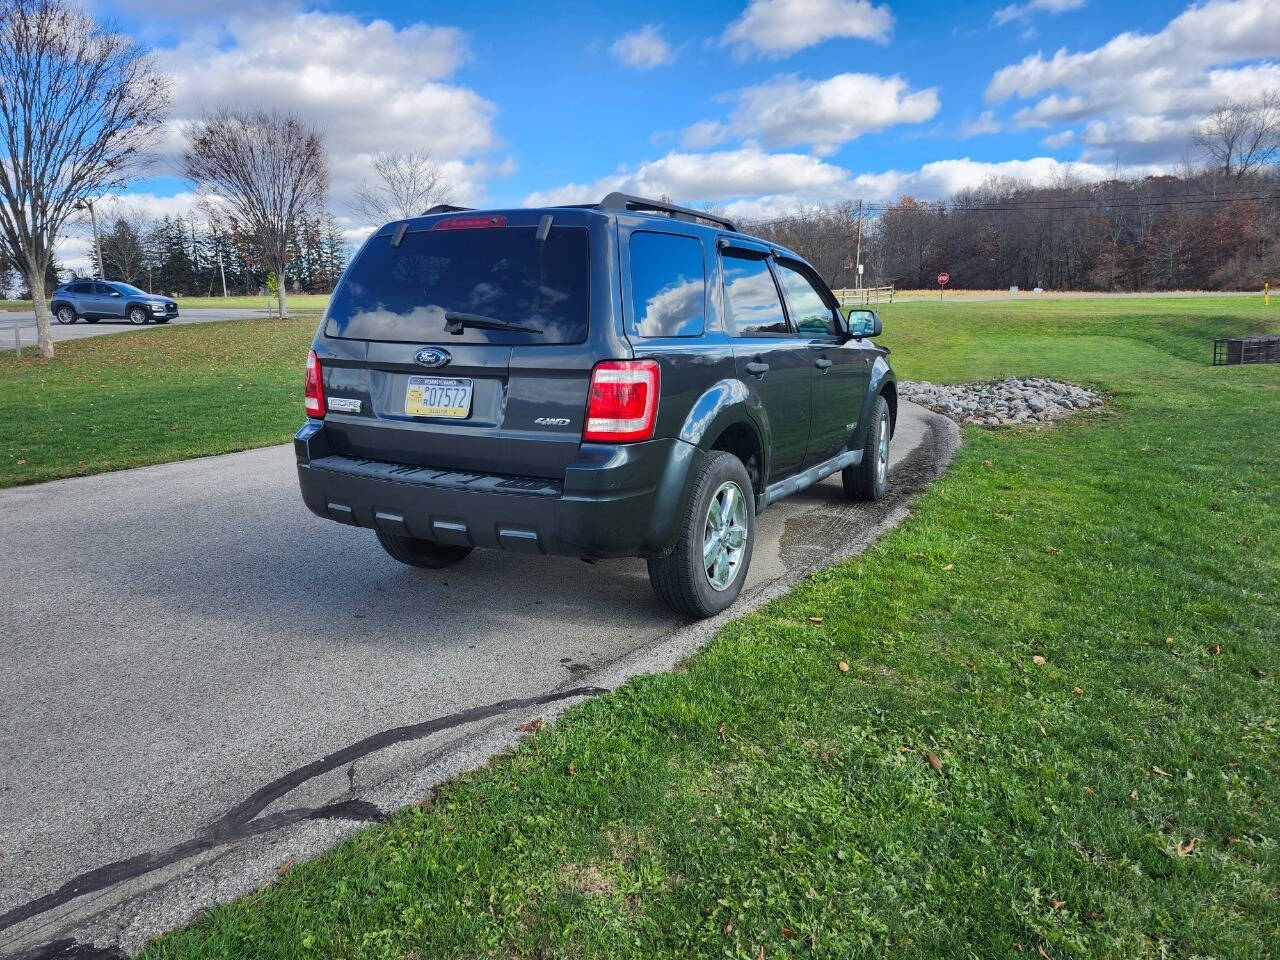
(614, 500)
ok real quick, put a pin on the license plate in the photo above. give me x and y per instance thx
(438, 397)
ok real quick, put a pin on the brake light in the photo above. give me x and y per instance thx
(314, 390)
(622, 405)
(470, 223)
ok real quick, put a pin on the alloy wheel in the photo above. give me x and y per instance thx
(724, 537)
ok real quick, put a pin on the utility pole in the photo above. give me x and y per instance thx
(97, 245)
(222, 270)
(857, 257)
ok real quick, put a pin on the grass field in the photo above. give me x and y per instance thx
(105, 403)
(1078, 624)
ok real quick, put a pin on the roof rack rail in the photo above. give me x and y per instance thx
(444, 208)
(624, 201)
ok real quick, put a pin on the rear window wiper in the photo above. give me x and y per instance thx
(454, 323)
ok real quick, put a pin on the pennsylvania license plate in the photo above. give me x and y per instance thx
(438, 397)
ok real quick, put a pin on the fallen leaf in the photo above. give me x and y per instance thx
(949, 566)
(531, 726)
(1076, 690)
(1161, 773)
(988, 464)
(1038, 660)
(720, 729)
(844, 667)
(1089, 792)
(1133, 794)
(1217, 649)
(1017, 945)
(284, 867)
(1185, 849)
(815, 619)
(934, 761)
(1043, 732)
(728, 927)
(572, 768)
(1040, 950)
(1168, 641)
(1232, 841)
(906, 750)
(1057, 904)
(789, 933)
(760, 955)
(1052, 550)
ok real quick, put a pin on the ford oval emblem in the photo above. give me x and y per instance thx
(431, 357)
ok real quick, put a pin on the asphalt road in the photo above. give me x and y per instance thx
(182, 641)
(26, 324)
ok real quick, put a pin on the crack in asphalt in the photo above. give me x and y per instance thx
(243, 820)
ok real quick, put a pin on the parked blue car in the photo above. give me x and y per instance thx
(94, 300)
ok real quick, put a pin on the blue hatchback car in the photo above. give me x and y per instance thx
(94, 300)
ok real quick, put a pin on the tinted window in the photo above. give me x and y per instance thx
(501, 273)
(809, 312)
(751, 298)
(80, 288)
(668, 286)
(102, 290)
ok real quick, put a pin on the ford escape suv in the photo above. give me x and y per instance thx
(627, 378)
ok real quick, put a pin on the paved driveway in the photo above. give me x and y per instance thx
(26, 324)
(187, 652)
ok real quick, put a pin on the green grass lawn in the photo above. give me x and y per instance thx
(1116, 798)
(109, 402)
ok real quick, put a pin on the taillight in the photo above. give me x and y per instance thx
(314, 391)
(622, 405)
(470, 223)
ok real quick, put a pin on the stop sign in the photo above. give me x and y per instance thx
(943, 278)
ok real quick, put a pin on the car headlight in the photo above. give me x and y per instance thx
(158, 307)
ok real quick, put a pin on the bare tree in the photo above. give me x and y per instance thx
(126, 231)
(78, 102)
(407, 184)
(1241, 136)
(263, 172)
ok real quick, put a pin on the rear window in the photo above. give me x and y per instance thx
(502, 274)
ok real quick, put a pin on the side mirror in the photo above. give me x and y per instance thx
(864, 323)
(115, 293)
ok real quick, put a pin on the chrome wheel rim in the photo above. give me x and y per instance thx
(65, 315)
(137, 316)
(882, 452)
(724, 535)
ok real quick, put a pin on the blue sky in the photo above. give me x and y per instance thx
(756, 105)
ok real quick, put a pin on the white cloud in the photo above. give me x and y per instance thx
(778, 28)
(823, 114)
(985, 124)
(643, 49)
(1021, 11)
(367, 86)
(1137, 83)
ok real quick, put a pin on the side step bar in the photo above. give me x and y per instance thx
(807, 478)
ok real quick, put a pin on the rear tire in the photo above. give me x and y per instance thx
(65, 315)
(705, 572)
(421, 553)
(869, 479)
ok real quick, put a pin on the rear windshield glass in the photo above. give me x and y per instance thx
(503, 275)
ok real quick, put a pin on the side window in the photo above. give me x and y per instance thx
(668, 286)
(102, 290)
(751, 298)
(809, 311)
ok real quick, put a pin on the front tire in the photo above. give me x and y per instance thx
(869, 479)
(421, 553)
(137, 316)
(705, 572)
(65, 315)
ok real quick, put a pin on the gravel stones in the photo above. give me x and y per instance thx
(1002, 403)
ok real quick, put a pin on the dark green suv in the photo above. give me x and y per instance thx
(627, 378)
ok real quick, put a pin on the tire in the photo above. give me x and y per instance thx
(65, 314)
(869, 479)
(681, 579)
(421, 553)
(137, 316)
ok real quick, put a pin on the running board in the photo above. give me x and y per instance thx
(807, 478)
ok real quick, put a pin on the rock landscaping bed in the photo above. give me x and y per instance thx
(1002, 403)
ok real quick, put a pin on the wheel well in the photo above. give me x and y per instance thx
(740, 440)
(134, 303)
(890, 394)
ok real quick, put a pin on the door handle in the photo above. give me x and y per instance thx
(757, 367)
(822, 363)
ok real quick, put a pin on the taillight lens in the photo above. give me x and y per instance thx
(622, 406)
(314, 391)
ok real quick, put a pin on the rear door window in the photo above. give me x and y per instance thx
(668, 286)
(503, 274)
(751, 298)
